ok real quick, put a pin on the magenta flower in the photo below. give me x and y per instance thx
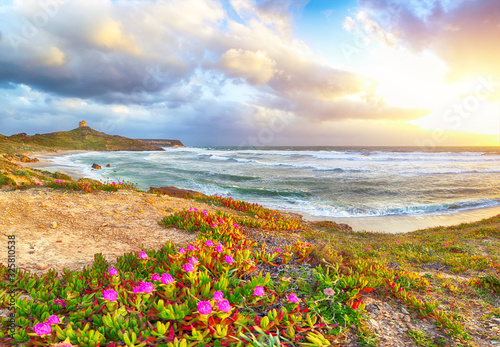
(219, 249)
(190, 248)
(59, 302)
(42, 329)
(367, 249)
(218, 296)
(205, 212)
(155, 277)
(229, 259)
(224, 306)
(209, 243)
(204, 307)
(293, 298)
(143, 255)
(54, 319)
(278, 250)
(167, 278)
(193, 260)
(144, 288)
(112, 271)
(258, 291)
(188, 267)
(236, 225)
(182, 250)
(110, 295)
(214, 225)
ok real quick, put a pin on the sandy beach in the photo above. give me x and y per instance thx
(45, 163)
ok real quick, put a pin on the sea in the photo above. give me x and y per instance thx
(319, 181)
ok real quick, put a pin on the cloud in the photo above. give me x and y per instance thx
(464, 33)
(53, 57)
(256, 67)
(172, 65)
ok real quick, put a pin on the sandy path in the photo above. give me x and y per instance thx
(64, 229)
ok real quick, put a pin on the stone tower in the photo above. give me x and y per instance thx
(82, 124)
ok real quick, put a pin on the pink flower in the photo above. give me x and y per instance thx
(214, 225)
(229, 259)
(182, 250)
(193, 260)
(54, 319)
(112, 271)
(110, 295)
(155, 277)
(258, 291)
(204, 307)
(278, 250)
(224, 306)
(328, 291)
(367, 249)
(205, 213)
(167, 278)
(143, 255)
(293, 298)
(218, 296)
(188, 267)
(219, 249)
(42, 329)
(209, 243)
(59, 302)
(144, 287)
(190, 248)
(236, 225)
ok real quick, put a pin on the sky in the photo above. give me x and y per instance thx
(255, 72)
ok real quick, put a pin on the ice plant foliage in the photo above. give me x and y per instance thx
(213, 293)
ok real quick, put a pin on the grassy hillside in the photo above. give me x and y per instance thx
(82, 138)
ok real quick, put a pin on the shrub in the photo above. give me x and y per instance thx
(4, 180)
(60, 176)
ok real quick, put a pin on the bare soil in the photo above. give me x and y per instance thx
(64, 229)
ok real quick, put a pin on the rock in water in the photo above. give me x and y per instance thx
(176, 192)
(108, 165)
(96, 166)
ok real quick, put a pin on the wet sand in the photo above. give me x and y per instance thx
(404, 224)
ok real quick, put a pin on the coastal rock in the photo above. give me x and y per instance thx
(176, 192)
(96, 166)
(26, 159)
(108, 165)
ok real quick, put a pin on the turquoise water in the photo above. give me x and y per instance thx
(321, 181)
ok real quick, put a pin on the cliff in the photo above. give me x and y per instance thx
(163, 143)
